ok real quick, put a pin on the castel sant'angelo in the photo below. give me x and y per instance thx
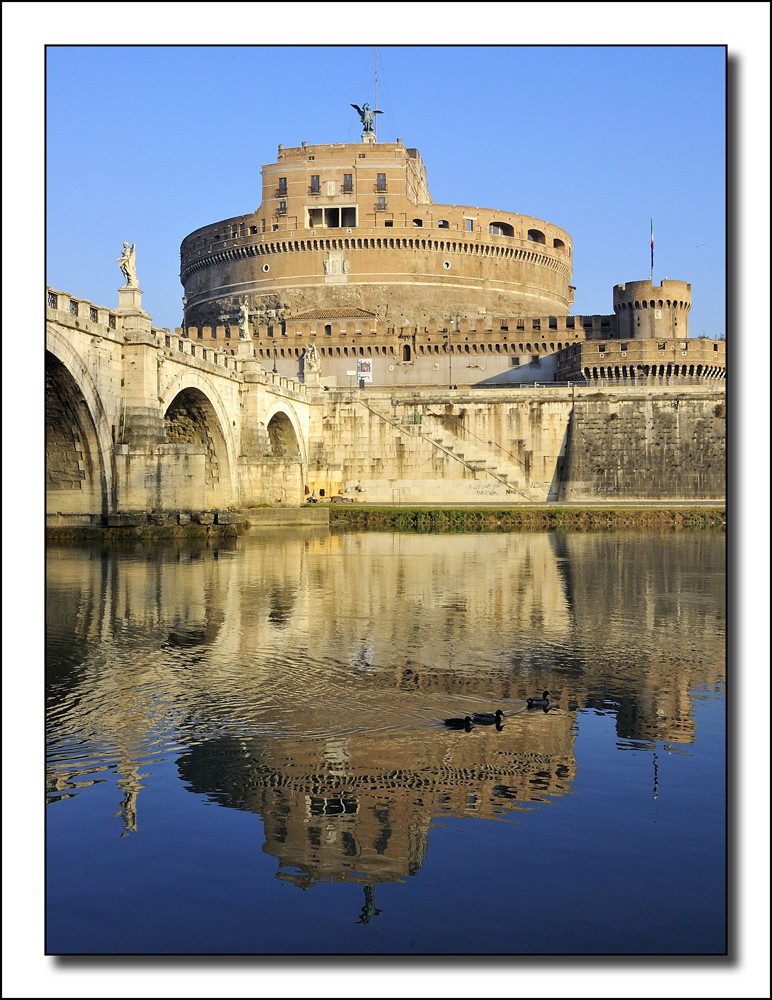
(348, 266)
(352, 336)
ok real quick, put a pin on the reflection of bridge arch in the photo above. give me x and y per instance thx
(192, 418)
(79, 470)
(284, 432)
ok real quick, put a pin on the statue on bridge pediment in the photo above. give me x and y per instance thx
(128, 264)
(244, 318)
(312, 362)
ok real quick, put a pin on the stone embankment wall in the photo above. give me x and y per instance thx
(535, 445)
(669, 446)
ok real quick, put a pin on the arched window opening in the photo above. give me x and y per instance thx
(406, 352)
(536, 236)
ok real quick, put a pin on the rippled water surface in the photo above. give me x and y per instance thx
(246, 750)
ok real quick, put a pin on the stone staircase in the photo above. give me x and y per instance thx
(480, 457)
(484, 459)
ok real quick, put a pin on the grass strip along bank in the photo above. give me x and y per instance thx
(524, 518)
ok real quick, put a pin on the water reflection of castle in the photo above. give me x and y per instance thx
(392, 617)
(371, 824)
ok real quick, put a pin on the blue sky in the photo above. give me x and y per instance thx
(147, 143)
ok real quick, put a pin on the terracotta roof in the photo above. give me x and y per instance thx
(334, 314)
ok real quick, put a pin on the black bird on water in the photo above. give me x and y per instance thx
(543, 702)
(465, 723)
(488, 718)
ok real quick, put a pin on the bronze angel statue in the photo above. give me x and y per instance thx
(367, 116)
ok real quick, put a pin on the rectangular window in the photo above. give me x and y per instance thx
(73, 307)
(601, 348)
(348, 183)
(282, 185)
(381, 202)
(93, 315)
(469, 225)
(380, 183)
(52, 300)
(661, 345)
(282, 208)
(537, 324)
(623, 347)
(315, 188)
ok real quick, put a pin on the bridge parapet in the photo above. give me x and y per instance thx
(61, 307)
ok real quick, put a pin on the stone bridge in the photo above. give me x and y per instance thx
(138, 419)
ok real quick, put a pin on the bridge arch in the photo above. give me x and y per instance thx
(284, 432)
(191, 417)
(79, 454)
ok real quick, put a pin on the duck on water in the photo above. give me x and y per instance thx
(543, 702)
(488, 718)
(465, 723)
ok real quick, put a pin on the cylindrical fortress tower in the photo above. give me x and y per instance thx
(353, 226)
(646, 311)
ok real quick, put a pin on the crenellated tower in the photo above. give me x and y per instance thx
(646, 311)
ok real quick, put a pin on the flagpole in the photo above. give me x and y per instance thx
(652, 251)
(375, 118)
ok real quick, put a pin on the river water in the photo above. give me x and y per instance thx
(246, 751)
